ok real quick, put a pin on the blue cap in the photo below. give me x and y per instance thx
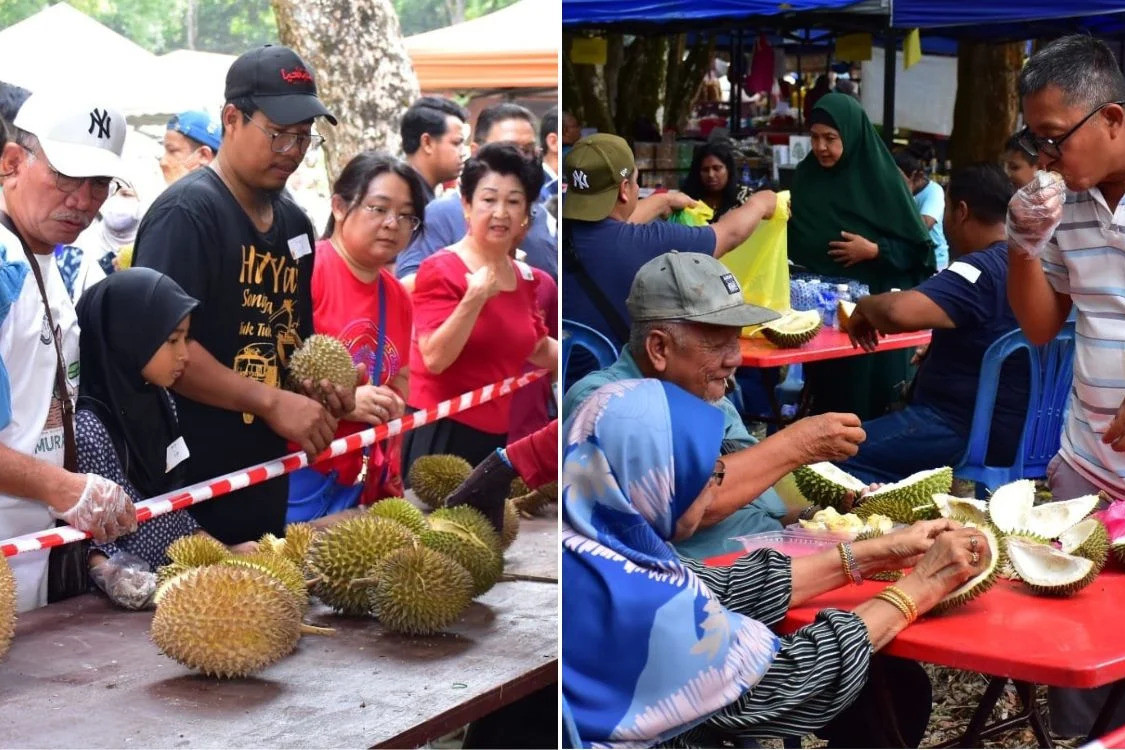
(199, 125)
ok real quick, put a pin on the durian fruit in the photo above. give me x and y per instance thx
(532, 504)
(401, 510)
(344, 557)
(979, 583)
(469, 520)
(298, 539)
(270, 543)
(1117, 547)
(793, 329)
(1010, 505)
(885, 575)
(1051, 519)
(518, 488)
(322, 357)
(1050, 571)
(197, 550)
(167, 572)
(433, 478)
(844, 310)
(826, 484)
(226, 621)
(476, 555)
(7, 606)
(1087, 538)
(420, 591)
(511, 526)
(910, 499)
(964, 509)
(279, 567)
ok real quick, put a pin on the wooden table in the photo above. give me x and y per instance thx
(1008, 633)
(827, 344)
(82, 673)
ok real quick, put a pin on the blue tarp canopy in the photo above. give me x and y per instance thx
(697, 13)
(909, 14)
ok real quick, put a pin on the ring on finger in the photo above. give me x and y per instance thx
(975, 559)
(973, 543)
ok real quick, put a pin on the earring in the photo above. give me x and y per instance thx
(524, 224)
(466, 217)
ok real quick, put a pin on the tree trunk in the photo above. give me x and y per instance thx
(363, 76)
(987, 106)
(686, 70)
(641, 86)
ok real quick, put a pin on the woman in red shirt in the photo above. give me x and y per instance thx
(476, 320)
(377, 207)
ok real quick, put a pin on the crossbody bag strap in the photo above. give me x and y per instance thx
(70, 446)
(593, 291)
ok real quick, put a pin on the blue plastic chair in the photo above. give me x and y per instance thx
(570, 737)
(1052, 367)
(577, 334)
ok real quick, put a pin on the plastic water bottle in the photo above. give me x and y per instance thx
(842, 295)
(828, 305)
(745, 177)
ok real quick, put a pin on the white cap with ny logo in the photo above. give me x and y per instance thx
(80, 139)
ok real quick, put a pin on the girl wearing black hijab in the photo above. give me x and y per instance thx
(133, 348)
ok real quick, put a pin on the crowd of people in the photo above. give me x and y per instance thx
(140, 353)
(1003, 247)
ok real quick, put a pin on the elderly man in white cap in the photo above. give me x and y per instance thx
(59, 164)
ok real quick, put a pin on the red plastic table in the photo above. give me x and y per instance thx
(828, 344)
(1007, 632)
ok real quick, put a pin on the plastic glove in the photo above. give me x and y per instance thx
(127, 580)
(103, 510)
(1034, 213)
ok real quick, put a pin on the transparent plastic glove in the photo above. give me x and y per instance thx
(1034, 213)
(127, 580)
(103, 510)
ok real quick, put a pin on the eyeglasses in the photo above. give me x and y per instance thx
(719, 472)
(402, 221)
(100, 187)
(1033, 145)
(282, 142)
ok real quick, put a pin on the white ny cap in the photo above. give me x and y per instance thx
(80, 140)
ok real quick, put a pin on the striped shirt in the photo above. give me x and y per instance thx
(1086, 260)
(818, 672)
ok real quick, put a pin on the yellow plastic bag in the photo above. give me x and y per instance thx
(761, 263)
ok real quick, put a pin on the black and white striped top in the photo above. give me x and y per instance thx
(818, 672)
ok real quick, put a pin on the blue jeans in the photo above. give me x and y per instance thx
(903, 442)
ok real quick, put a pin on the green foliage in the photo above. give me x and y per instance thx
(417, 16)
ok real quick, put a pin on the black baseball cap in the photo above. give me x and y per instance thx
(278, 82)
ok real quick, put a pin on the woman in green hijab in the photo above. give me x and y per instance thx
(853, 217)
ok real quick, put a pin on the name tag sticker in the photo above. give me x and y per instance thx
(299, 246)
(525, 271)
(177, 452)
(964, 270)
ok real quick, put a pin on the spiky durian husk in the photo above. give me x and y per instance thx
(226, 621)
(910, 499)
(826, 484)
(511, 528)
(469, 520)
(793, 329)
(344, 558)
(1118, 550)
(402, 511)
(7, 606)
(166, 573)
(532, 504)
(1094, 547)
(271, 543)
(298, 539)
(434, 478)
(1032, 578)
(197, 550)
(321, 357)
(1053, 519)
(518, 488)
(420, 591)
(899, 510)
(281, 568)
(474, 554)
(979, 583)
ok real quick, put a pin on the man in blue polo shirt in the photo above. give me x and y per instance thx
(967, 307)
(608, 234)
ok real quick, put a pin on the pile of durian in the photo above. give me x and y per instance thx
(1055, 548)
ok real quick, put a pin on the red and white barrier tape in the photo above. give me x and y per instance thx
(236, 480)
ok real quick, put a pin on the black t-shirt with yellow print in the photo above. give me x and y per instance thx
(256, 307)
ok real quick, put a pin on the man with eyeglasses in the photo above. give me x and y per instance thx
(445, 220)
(1072, 255)
(58, 165)
(230, 237)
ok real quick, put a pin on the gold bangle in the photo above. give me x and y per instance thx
(847, 561)
(896, 596)
(905, 597)
(900, 606)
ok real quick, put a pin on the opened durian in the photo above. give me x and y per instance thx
(979, 583)
(433, 478)
(401, 510)
(844, 310)
(964, 509)
(321, 357)
(793, 329)
(1087, 538)
(281, 568)
(468, 520)
(226, 621)
(7, 606)
(911, 499)
(825, 484)
(1050, 571)
(420, 591)
(1051, 519)
(344, 557)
